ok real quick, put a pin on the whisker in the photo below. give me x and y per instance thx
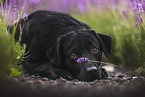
(102, 62)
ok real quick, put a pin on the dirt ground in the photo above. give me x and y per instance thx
(119, 84)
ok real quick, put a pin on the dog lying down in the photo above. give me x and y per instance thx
(61, 46)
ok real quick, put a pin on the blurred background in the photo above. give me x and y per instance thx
(122, 19)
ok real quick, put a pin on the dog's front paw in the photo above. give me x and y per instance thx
(104, 73)
(65, 74)
(59, 73)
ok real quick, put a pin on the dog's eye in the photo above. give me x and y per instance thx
(94, 50)
(73, 55)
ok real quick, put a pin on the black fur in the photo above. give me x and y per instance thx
(51, 38)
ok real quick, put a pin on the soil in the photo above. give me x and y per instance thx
(119, 84)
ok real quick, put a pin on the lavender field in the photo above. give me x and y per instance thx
(122, 19)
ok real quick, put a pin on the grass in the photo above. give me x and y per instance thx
(11, 53)
(5, 50)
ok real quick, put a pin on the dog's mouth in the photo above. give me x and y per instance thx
(90, 71)
(90, 75)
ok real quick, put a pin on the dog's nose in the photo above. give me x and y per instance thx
(92, 70)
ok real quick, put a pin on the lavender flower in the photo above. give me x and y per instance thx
(141, 20)
(140, 10)
(133, 4)
(82, 59)
(137, 26)
(24, 4)
(14, 5)
(139, 6)
(124, 13)
(25, 16)
(139, 17)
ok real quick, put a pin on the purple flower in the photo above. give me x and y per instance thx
(140, 15)
(140, 0)
(140, 8)
(82, 59)
(134, 5)
(124, 13)
(14, 5)
(25, 16)
(141, 20)
(24, 2)
(137, 26)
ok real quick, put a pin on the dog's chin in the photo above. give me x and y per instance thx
(88, 77)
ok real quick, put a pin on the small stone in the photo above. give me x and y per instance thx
(44, 79)
(135, 77)
(62, 79)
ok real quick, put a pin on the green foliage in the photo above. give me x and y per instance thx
(16, 70)
(6, 53)
(122, 28)
(11, 53)
(139, 38)
(141, 70)
(140, 42)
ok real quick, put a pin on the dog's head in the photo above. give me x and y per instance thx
(71, 47)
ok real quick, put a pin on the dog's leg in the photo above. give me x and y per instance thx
(47, 70)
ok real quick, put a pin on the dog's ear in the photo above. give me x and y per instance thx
(106, 42)
(53, 53)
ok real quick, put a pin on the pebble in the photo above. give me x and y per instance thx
(135, 77)
(44, 79)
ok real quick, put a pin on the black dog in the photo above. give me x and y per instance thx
(61, 46)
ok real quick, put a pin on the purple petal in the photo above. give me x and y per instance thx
(82, 59)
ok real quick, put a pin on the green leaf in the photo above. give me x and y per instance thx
(15, 72)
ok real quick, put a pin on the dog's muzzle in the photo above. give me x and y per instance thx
(94, 72)
(90, 71)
